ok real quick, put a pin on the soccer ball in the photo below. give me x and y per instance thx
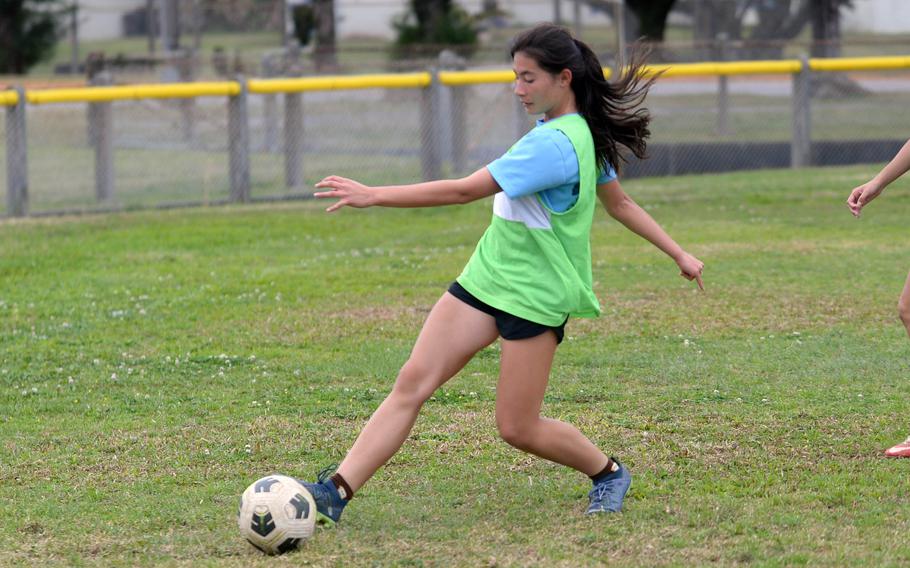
(276, 514)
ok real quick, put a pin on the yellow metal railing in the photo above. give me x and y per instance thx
(9, 98)
(120, 93)
(341, 82)
(787, 66)
(422, 80)
(860, 63)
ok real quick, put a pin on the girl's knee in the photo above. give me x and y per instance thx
(414, 385)
(903, 310)
(518, 434)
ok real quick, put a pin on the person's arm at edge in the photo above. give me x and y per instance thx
(624, 209)
(350, 193)
(863, 194)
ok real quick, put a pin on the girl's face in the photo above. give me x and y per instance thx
(540, 91)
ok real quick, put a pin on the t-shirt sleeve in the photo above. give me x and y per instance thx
(536, 162)
(606, 176)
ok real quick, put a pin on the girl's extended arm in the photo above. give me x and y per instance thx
(622, 208)
(865, 193)
(350, 193)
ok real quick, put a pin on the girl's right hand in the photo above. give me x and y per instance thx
(349, 193)
(862, 195)
(690, 268)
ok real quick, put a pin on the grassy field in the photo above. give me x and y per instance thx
(153, 364)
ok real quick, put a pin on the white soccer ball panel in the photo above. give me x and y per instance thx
(276, 514)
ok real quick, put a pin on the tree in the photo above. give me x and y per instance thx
(778, 22)
(650, 21)
(29, 30)
(429, 24)
(324, 53)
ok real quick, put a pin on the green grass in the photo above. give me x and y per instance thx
(153, 364)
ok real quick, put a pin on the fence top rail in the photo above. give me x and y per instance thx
(9, 98)
(424, 79)
(341, 82)
(860, 63)
(127, 92)
(787, 66)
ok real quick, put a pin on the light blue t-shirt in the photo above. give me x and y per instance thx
(542, 161)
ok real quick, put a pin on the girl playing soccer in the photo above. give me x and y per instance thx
(531, 269)
(859, 197)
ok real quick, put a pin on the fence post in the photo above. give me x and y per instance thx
(293, 140)
(270, 107)
(723, 90)
(429, 127)
(801, 143)
(16, 158)
(239, 143)
(102, 134)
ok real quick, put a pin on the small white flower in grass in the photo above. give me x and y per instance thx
(860, 395)
(70, 380)
(142, 312)
(297, 372)
(206, 451)
(472, 393)
(96, 361)
(220, 373)
(113, 376)
(248, 449)
(716, 391)
(252, 357)
(686, 342)
(765, 400)
(254, 403)
(65, 325)
(34, 389)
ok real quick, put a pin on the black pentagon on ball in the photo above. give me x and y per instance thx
(262, 524)
(301, 505)
(265, 484)
(288, 545)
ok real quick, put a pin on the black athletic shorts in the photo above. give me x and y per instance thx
(509, 326)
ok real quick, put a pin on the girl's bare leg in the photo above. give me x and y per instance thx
(903, 309)
(524, 374)
(452, 334)
(903, 305)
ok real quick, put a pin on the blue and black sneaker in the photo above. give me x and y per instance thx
(329, 503)
(607, 494)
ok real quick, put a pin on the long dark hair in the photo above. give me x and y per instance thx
(609, 108)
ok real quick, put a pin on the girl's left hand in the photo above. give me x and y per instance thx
(349, 193)
(690, 268)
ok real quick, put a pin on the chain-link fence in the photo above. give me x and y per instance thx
(161, 152)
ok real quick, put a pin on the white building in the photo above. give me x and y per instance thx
(878, 16)
(103, 19)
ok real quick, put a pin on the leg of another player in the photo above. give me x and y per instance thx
(453, 333)
(903, 305)
(902, 450)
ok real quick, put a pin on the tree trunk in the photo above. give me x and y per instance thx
(324, 54)
(826, 28)
(652, 17)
